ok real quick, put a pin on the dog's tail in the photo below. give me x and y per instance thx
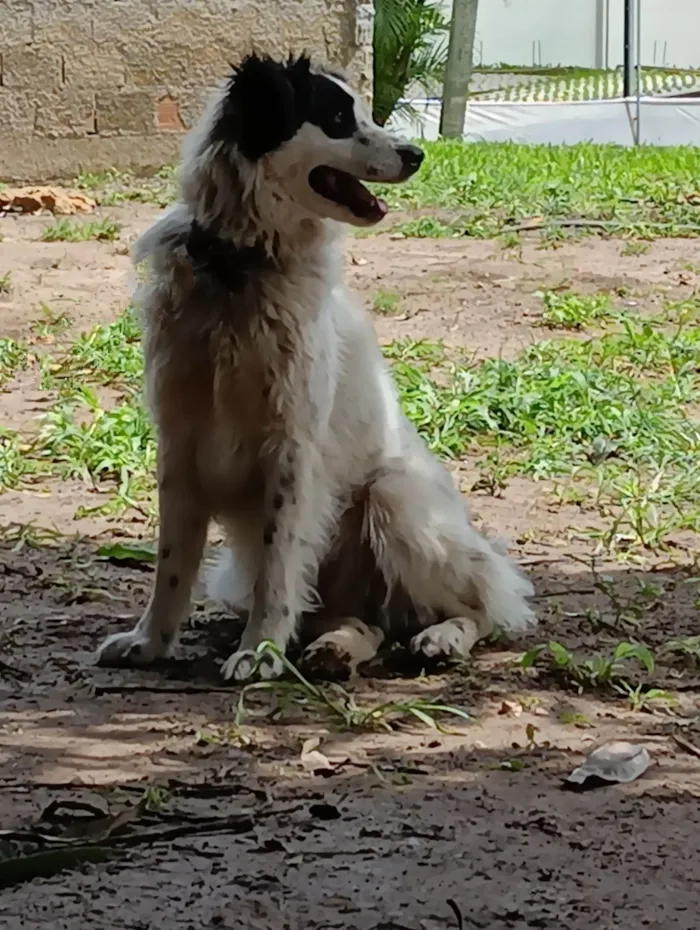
(426, 543)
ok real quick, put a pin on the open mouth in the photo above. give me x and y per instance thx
(346, 191)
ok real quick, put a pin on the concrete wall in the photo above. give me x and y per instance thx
(90, 84)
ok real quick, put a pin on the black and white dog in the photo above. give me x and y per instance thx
(275, 410)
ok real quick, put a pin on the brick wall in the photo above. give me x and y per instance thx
(91, 84)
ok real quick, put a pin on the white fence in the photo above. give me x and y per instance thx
(661, 121)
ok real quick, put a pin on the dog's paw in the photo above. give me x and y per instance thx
(449, 640)
(328, 660)
(245, 665)
(337, 654)
(132, 648)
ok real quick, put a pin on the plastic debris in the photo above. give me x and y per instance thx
(611, 763)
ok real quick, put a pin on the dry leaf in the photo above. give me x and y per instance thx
(311, 758)
(511, 708)
(54, 199)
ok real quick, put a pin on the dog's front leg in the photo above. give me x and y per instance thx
(294, 508)
(183, 529)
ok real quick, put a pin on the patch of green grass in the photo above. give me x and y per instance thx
(640, 191)
(611, 415)
(617, 670)
(6, 283)
(14, 465)
(67, 230)
(110, 354)
(81, 439)
(386, 302)
(50, 323)
(687, 648)
(13, 358)
(635, 247)
(113, 187)
(568, 310)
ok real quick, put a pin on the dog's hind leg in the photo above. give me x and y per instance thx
(343, 645)
(183, 530)
(423, 540)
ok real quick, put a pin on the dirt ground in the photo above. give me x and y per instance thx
(392, 826)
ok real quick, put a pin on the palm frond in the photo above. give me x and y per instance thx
(406, 50)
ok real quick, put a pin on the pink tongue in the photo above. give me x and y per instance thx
(383, 206)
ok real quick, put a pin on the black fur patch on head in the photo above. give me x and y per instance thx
(267, 102)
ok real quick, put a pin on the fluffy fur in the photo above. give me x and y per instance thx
(275, 411)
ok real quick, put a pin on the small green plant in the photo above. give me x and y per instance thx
(640, 697)
(568, 310)
(336, 704)
(386, 302)
(6, 283)
(687, 648)
(635, 247)
(427, 227)
(601, 669)
(50, 323)
(155, 798)
(67, 230)
(13, 358)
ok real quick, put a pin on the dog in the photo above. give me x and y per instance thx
(275, 410)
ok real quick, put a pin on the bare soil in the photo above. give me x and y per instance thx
(405, 821)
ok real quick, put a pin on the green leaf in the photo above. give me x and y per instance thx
(127, 552)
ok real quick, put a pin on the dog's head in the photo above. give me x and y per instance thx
(311, 137)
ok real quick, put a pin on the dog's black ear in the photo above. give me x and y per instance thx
(264, 104)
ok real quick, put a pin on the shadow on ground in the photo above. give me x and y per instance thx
(397, 823)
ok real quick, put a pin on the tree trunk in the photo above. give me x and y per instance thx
(458, 70)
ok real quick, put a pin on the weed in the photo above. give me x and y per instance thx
(109, 354)
(155, 798)
(386, 302)
(6, 283)
(687, 648)
(640, 697)
(66, 230)
(601, 669)
(427, 227)
(336, 704)
(50, 324)
(635, 247)
(574, 311)
(13, 358)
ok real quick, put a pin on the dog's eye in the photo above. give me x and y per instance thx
(338, 118)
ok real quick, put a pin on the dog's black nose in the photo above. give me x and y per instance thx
(411, 156)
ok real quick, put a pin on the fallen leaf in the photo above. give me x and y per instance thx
(98, 825)
(127, 553)
(54, 199)
(312, 759)
(511, 708)
(612, 763)
(687, 745)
